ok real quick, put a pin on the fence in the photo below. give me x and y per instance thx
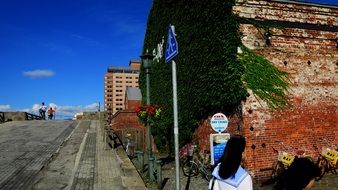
(2, 117)
(30, 116)
(137, 136)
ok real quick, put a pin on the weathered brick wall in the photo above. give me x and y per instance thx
(126, 119)
(303, 42)
(132, 104)
(202, 133)
(125, 122)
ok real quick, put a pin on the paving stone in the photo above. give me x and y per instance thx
(25, 150)
(43, 155)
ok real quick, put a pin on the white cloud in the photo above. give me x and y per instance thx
(5, 107)
(52, 105)
(35, 107)
(92, 107)
(39, 73)
(62, 111)
(67, 111)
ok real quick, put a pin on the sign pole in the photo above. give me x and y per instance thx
(171, 52)
(177, 162)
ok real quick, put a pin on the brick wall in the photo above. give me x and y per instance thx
(132, 104)
(303, 42)
(124, 122)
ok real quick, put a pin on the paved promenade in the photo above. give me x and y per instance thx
(62, 155)
(70, 155)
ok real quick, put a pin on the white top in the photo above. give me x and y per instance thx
(240, 181)
(43, 108)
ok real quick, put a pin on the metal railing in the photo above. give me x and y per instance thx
(30, 116)
(2, 117)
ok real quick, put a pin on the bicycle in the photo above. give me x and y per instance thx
(129, 146)
(284, 160)
(193, 166)
(326, 161)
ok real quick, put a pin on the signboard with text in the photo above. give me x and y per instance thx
(219, 122)
(217, 145)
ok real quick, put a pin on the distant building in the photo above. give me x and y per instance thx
(133, 98)
(116, 81)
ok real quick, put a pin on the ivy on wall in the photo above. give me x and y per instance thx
(264, 79)
(209, 73)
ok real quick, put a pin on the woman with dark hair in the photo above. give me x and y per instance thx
(299, 176)
(229, 174)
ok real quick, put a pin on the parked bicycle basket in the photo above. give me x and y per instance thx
(285, 158)
(330, 154)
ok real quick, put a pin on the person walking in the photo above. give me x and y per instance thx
(50, 113)
(42, 110)
(228, 173)
(299, 176)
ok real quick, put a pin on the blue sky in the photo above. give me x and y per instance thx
(57, 51)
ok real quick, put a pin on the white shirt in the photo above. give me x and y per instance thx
(43, 108)
(241, 181)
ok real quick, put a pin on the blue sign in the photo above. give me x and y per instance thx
(217, 145)
(171, 49)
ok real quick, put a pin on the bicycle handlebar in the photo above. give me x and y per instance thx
(289, 149)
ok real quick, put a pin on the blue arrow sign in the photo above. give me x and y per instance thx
(171, 49)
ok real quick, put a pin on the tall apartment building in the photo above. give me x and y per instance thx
(116, 81)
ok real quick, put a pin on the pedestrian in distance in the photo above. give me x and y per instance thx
(42, 110)
(299, 176)
(50, 113)
(228, 173)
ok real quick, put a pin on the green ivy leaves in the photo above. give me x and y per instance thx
(264, 79)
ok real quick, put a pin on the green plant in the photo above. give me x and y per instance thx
(265, 80)
(149, 113)
(211, 77)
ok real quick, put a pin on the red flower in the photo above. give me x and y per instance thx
(151, 110)
(138, 109)
(148, 113)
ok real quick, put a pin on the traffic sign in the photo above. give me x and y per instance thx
(171, 49)
(219, 122)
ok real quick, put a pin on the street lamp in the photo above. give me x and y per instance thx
(147, 59)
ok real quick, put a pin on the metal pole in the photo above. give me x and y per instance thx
(177, 163)
(159, 174)
(148, 139)
(151, 168)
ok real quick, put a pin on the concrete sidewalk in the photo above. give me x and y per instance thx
(43, 155)
(114, 169)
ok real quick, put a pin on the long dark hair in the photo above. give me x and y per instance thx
(232, 156)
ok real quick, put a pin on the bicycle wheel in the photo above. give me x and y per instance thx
(277, 170)
(190, 169)
(332, 168)
(207, 176)
(322, 164)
